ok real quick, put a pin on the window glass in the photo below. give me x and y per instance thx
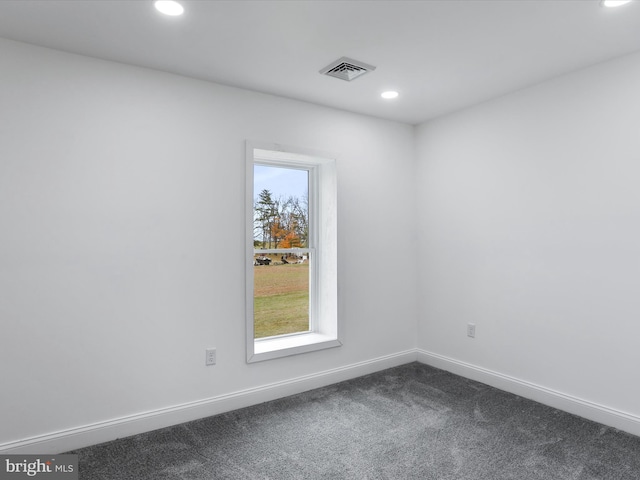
(280, 294)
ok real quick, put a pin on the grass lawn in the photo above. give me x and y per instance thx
(281, 299)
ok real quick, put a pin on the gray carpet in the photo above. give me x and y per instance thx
(409, 422)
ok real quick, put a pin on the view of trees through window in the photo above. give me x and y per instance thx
(281, 250)
(281, 222)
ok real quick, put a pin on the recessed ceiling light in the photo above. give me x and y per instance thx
(169, 7)
(614, 3)
(390, 94)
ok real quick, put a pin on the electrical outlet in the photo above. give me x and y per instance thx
(210, 356)
(471, 330)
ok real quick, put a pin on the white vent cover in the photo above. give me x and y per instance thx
(347, 69)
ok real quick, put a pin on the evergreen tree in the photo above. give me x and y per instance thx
(265, 213)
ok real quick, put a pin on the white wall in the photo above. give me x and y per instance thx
(529, 218)
(121, 250)
(122, 245)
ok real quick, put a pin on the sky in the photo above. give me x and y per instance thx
(281, 182)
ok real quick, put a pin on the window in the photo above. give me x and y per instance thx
(291, 252)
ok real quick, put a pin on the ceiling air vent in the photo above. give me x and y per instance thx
(347, 69)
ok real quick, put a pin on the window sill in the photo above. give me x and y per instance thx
(284, 346)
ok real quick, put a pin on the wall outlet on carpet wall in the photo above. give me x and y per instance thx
(210, 356)
(471, 330)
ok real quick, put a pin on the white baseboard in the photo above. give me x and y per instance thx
(73, 438)
(70, 439)
(568, 403)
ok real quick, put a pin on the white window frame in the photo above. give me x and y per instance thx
(324, 331)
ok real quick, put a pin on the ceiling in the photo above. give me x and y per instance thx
(440, 55)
